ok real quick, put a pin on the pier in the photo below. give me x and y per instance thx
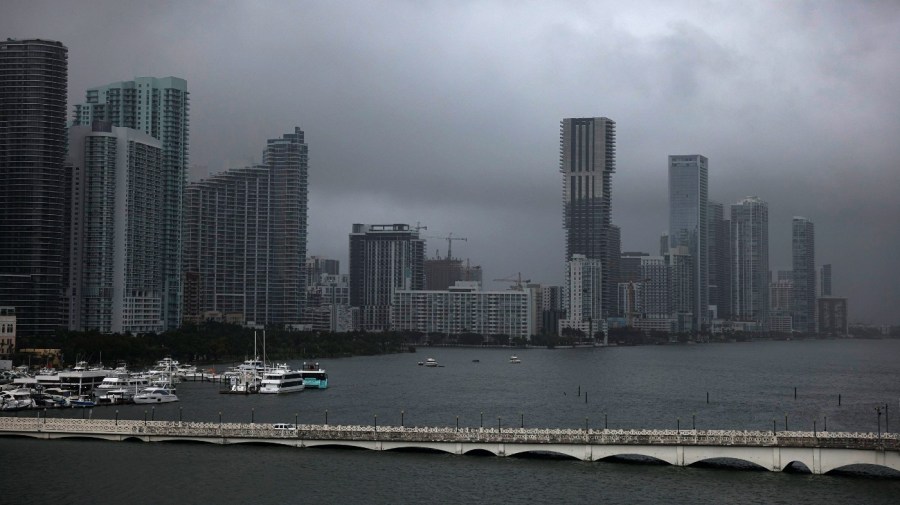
(820, 452)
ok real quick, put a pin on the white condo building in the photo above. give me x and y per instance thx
(584, 298)
(464, 308)
(116, 279)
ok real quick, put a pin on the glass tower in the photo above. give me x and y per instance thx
(803, 252)
(33, 80)
(750, 261)
(688, 207)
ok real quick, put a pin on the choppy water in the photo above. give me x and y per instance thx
(749, 386)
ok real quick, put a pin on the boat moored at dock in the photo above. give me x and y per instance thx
(314, 376)
(282, 379)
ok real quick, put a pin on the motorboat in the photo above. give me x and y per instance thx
(431, 362)
(16, 399)
(282, 379)
(156, 395)
(82, 401)
(514, 360)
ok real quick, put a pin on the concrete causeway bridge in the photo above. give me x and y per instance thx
(820, 452)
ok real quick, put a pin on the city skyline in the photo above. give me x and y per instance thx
(459, 130)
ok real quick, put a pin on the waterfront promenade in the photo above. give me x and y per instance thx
(820, 452)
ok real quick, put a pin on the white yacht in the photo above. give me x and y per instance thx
(282, 379)
(16, 399)
(156, 395)
(120, 388)
(431, 362)
(514, 360)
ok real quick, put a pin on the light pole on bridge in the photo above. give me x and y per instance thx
(402, 413)
(878, 409)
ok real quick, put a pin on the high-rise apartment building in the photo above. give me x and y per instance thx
(115, 282)
(832, 316)
(584, 288)
(587, 162)
(158, 107)
(245, 237)
(803, 252)
(750, 261)
(384, 258)
(825, 280)
(688, 226)
(33, 80)
(719, 264)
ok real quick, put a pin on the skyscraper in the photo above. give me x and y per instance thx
(587, 162)
(245, 237)
(688, 207)
(384, 258)
(158, 107)
(825, 280)
(115, 278)
(803, 252)
(33, 80)
(750, 260)
(719, 264)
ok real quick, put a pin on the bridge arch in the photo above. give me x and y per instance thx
(573, 452)
(666, 454)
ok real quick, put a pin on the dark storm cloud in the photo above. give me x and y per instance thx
(447, 113)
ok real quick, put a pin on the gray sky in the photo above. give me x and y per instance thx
(447, 113)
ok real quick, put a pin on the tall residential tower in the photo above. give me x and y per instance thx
(750, 261)
(688, 207)
(587, 149)
(33, 80)
(384, 258)
(803, 252)
(158, 107)
(245, 238)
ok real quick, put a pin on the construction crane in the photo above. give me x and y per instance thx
(518, 280)
(450, 238)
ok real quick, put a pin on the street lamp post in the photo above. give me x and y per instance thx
(605, 421)
(678, 425)
(457, 423)
(376, 422)
(694, 421)
(522, 420)
(878, 409)
(252, 415)
(785, 422)
(326, 417)
(296, 419)
(498, 425)
(145, 417)
(117, 417)
(482, 419)
(402, 413)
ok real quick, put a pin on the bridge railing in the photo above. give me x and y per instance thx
(364, 433)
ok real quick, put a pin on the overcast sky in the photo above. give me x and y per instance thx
(447, 113)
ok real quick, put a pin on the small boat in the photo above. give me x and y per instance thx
(431, 362)
(514, 360)
(82, 401)
(476, 361)
(155, 395)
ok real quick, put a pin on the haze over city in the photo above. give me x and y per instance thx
(447, 113)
